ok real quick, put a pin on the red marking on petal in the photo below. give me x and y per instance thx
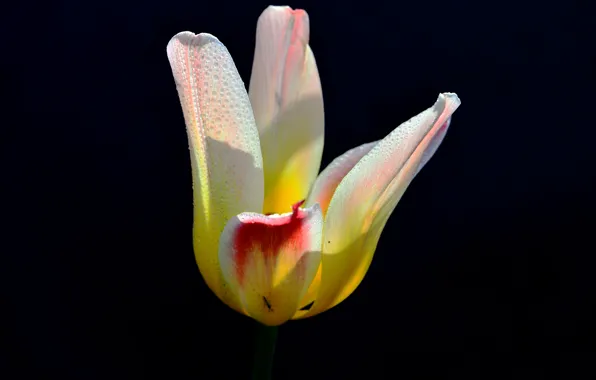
(268, 236)
(297, 12)
(442, 128)
(296, 206)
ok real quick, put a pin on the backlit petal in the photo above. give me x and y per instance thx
(366, 197)
(329, 179)
(285, 92)
(271, 260)
(434, 144)
(224, 145)
(321, 193)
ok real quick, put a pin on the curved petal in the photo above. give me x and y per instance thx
(321, 194)
(329, 179)
(270, 261)
(285, 93)
(366, 197)
(224, 145)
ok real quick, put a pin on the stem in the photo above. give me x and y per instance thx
(264, 351)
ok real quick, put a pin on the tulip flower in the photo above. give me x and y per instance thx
(273, 238)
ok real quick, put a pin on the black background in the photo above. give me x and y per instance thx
(485, 269)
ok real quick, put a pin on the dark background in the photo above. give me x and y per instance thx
(484, 271)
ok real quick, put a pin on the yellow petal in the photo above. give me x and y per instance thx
(367, 196)
(321, 194)
(285, 93)
(224, 145)
(271, 260)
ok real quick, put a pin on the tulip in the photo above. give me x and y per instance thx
(272, 239)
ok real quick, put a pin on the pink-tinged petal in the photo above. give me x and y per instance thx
(224, 145)
(366, 197)
(329, 179)
(434, 144)
(270, 260)
(285, 93)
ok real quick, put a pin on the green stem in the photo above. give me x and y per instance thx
(264, 351)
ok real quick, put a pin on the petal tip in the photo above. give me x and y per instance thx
(188, 38)
(451, 99)
(284, 12)
(284, 8)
